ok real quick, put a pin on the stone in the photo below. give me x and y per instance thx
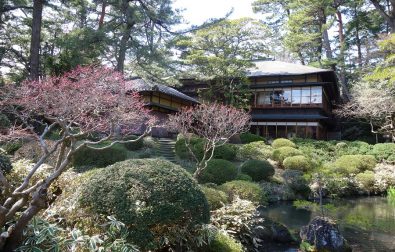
(324, 235)
(259, 232)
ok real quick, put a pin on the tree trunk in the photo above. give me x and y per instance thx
(39, 202)
(327, 44)
(35, 39)
(357, 38)
(389, 16)
(122, 48)
(125, 36)
(102, 14)
(342, 74)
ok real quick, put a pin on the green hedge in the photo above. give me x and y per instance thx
(224, 243)
(218, 171)
(283, 142)
(245, 190)
(100, 158)
(226, 151)
(216, 198)
(258, 169)
(299, 162)
(154, 197)
(295, 180)
(282, 153)
(132, 146)
(249, 138)
(244, 177)
(365, 181)
(353, 164)
(383, 151)
(256, 150)
(12, 146)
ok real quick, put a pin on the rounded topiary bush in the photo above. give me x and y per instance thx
(283, 152)
(226, 151)
(196, 145)
(299, 162)
(245, 177)
(365, 181)
(258, 169)
(353, 164)
(295, 180)
(132, 146)
(244, 190)
(383, 151)
(283, 142)
(100, 158)
(154, 197)
(249, 138)
(255, 150)
(5, 163)
(218, 171)
(224, 243)
(216, 198)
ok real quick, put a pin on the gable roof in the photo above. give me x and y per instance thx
(140, 85)
(275, 68)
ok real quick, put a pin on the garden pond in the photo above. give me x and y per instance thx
(368, 223)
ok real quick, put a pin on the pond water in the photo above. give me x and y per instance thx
(367, 223)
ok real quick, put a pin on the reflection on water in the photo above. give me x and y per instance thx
(367, 223)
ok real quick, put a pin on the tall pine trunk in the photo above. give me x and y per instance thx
(35, 39)
(342, 74)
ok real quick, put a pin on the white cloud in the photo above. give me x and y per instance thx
(198, 11)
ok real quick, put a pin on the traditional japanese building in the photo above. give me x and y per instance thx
(288, 100)
(161, 99)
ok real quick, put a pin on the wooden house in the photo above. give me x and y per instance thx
(161, 99)
(288, 100)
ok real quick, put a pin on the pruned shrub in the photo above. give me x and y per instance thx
(244, 177)
(216, 198)
(218, 171)
(353, 164)
(226, 151)
(295, 180)
(258, 169)
(244, 190)
(299, 162)
(282, 153)
(155, 198)
(365, 181)
(255, 150)
(283, 142)
(32, 151)
(12, 146)
(249, 138)
(100, 158)
(5, 163)
(224, 243)
(135, 145)
(383, 151)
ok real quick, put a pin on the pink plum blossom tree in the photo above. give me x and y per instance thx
(80, 103)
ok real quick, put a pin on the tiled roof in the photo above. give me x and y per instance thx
(140, 85)
(273, 68)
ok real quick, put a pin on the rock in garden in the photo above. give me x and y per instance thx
(324, 234)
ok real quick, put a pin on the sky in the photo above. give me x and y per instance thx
(198, 11)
